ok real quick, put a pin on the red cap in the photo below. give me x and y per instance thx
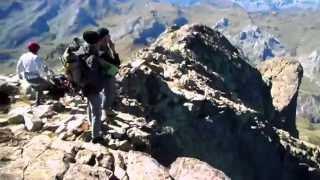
(33, 47)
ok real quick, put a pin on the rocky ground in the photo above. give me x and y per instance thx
(187, 106)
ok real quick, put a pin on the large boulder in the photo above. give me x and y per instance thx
(191, 168)
(48, 165)
(142, 166)
(8, 88)
(86, 172)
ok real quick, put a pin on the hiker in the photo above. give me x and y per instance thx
(33, 69)
(110, 63)
(92, 79)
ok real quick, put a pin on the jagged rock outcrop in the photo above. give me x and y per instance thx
(284, 78)
(220, 109)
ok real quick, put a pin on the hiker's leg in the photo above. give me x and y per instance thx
(39, 85)
(39, 95)
(95, 107)
(109, 93)
(89, 113)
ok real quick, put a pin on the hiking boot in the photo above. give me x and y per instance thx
(100, 140)
(104, 116)
(111, 113)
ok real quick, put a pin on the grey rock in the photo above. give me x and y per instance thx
(49, 165)
(121, 174)
(116, 132)
(143, 166)
(58, 107)
(86, 172)
(44, 111)
(106, 161)
(15, 119)
(67, 147)
(138, 136)
(190, 168)
(32, 123)
(16, 116)
(85, 157)
(36, 147)
(76, 123)
(5, 135)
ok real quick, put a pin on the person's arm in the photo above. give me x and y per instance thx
(115, 55)
(20, 69)
(44, 71)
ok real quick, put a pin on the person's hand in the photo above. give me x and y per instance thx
(111, 44)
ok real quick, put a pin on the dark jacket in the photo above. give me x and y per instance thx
(112, 59)
(91, 70)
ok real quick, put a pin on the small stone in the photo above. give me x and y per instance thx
(16, 115)
(75, 124)
(5, 135)
(58, 106)
(63, 135)
(16, 119)
(85, 157)
(116, 132)
(121, 173)
(61, 128)
(76, 110)
(32, 123)
(138, 137)
(44, 111)
(68, 147)
(82, 106)
(106, 161)
(124, 145)
(86, 172)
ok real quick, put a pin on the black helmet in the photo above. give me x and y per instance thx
(91, 37)
(103, 32)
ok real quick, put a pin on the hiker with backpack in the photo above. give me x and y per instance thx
(91, 81)
(32, 68)
(110, 64)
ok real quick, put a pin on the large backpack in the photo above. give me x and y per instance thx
(83, 69)
(72, 68)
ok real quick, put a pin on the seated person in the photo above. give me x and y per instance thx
(32, 68)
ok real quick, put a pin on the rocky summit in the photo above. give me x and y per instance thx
(188, 107)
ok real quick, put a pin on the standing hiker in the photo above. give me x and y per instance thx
(110, 64)
(92, 81)
(32, 68)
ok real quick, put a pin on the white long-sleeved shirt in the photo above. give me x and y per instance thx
(31, 63)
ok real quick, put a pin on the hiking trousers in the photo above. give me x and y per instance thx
(94, 111)
(109, 91)
(39, 85)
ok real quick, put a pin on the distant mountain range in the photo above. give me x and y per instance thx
(255, 5)
(133, 23)
(55, 20)
(274, 5)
